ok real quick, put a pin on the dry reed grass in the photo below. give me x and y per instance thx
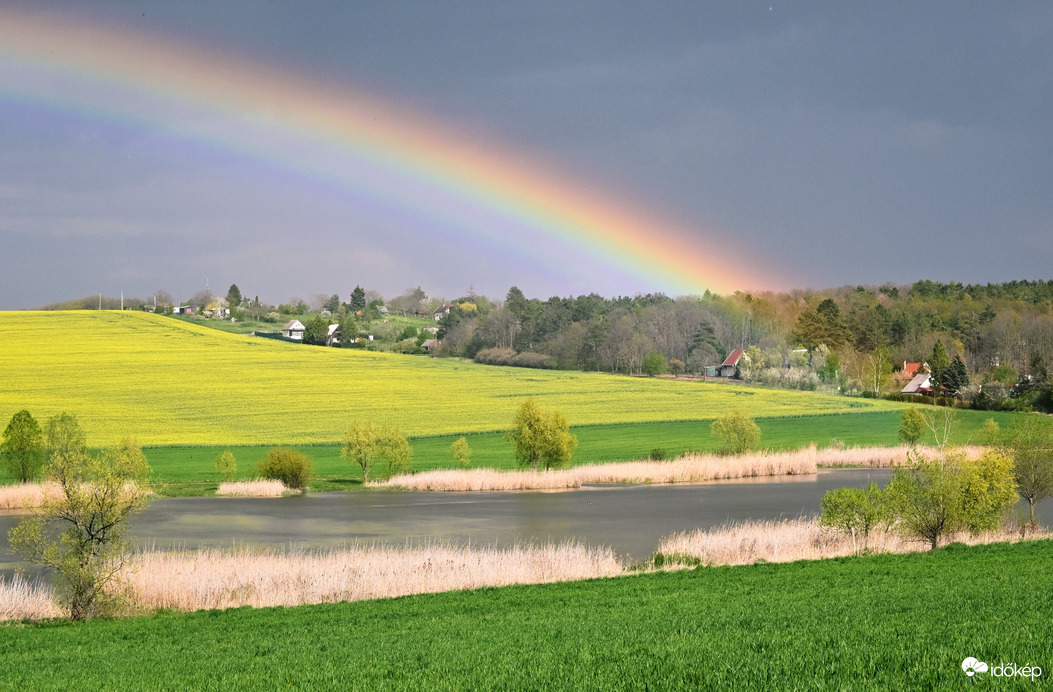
(881, 457)
(690, 468)
(22, 600)
(258, 487)
(207, 578)
(26, 495)
(797, 539)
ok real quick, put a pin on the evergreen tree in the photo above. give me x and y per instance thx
(938, 363)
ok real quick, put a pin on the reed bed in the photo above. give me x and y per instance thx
(23, 600)
(691, 468)
(208, 578)
(881, 457)
(789, 540)
(258, 487)
(26, 495)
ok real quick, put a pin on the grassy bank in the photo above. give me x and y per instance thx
(188, 470)
(880, 622)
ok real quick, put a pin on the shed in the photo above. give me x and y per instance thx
(730, 366)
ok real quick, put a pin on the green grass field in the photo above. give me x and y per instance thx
(169, 382)
(877, 622)
(188, 470)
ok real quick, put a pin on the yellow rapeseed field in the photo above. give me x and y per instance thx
(169, 382)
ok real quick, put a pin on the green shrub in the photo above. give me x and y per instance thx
(287, 465)
(738, 431)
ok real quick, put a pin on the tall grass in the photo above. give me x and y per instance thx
(25, 495)
(881, 457)
(259, 487)
(789, 540)
(22, 600)
(207, 578)
(690, 468)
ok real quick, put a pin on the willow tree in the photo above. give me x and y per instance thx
(23, 446)
(96, 496)
(540, 437)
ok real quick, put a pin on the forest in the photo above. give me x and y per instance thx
(852, 339)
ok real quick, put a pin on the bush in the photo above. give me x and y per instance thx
(287, 465)
(654, 364)
(226, 465)
(738, 431)
(658, 454)
(854, 511)
(508, 356)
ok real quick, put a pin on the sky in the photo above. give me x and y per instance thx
(564, 147)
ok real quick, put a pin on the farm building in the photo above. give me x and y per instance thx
(294, 329)
(730, 366)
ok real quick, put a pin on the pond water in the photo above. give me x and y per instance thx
(630, 519)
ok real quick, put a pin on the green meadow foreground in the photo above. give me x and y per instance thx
(874, 622)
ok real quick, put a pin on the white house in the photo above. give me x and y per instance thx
(293, 330)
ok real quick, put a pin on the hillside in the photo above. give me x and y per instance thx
(168, 382)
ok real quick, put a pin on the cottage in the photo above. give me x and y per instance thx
(332, 337)
(910, 370)
(920, 384)
(443, 311)
(730, 366)
(431, 345)
(294, 329)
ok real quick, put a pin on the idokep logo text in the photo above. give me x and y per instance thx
(972, 666)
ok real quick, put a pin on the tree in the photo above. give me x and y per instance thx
(942, 421)
(64, 439)
(316, 331)
(911, 425)
(932, 499)
(655, 364)
(97, 496)
(738, 431)
(854, 511)
(938, 362)
(366, 443)
(876, 370)
(23, 446)
(541, 437)
(358, 299)
(1031, 446)
(955, 377)
(461, 452)
(225, 465)
(823, 325)
(332, 303)
(287, 465)
(233, 296)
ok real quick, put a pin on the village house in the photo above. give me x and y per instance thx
(293, 329)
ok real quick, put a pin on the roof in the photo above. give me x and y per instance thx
(734, 357)
(294, 324)
(919, 384)
(909, 370)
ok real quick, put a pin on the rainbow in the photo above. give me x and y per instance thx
(359, 142)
